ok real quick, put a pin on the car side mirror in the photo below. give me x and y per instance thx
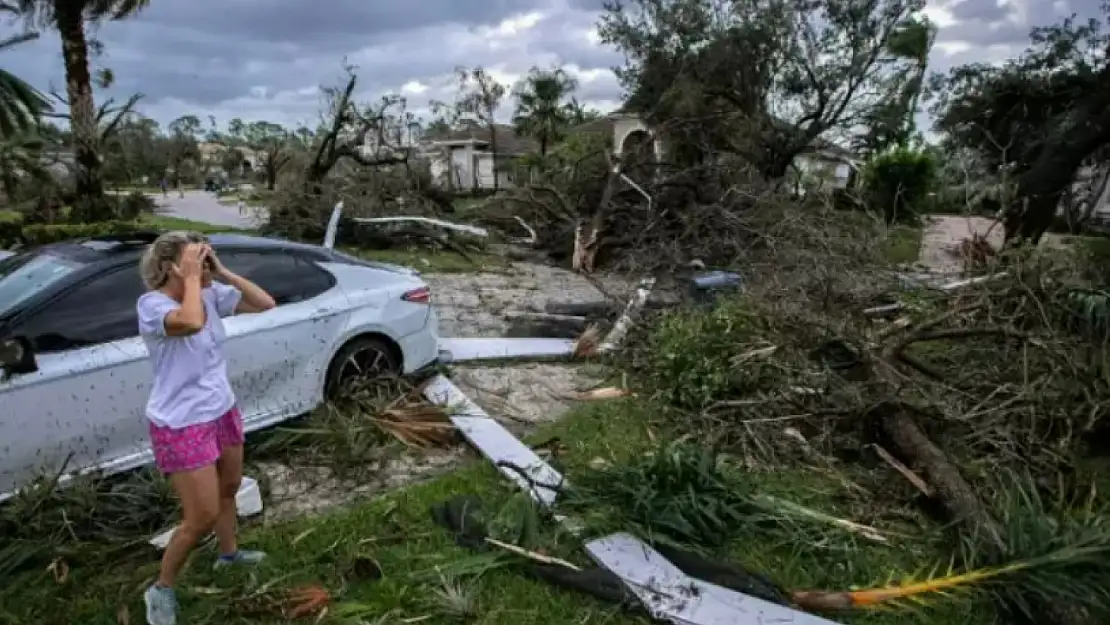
(16, 357)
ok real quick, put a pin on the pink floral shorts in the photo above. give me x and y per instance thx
(195, 446)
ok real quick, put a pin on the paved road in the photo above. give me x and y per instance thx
(205, 207)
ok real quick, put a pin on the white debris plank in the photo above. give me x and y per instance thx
(469, 349)
(671, 595)
(716, 602)
(495, 442)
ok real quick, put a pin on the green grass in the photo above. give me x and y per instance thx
(436, 261)
(903, 244)
(415, 555)
(163, 222)
(10, 216)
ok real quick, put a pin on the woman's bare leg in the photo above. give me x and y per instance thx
(199, 492)
(230, 474)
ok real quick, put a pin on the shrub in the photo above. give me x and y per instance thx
(695, 358)
(898, 183)
(135, 205)
(42, 234)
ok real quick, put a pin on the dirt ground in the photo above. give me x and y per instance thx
(521, 396)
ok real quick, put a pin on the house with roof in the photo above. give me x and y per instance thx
(824, 164)
(463, 159)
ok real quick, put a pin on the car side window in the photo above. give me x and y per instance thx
(99, 311)
(288, 278)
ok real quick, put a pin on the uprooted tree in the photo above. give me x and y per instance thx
(1042, 120)
(360, 155)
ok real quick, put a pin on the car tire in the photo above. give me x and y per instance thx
(369, 355)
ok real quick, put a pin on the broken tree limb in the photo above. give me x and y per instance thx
(542, 325)
(624, 323)
(587, 236)
(439, 223)
(918, 452)
(959, 500)
(598, 309)
(532, 238)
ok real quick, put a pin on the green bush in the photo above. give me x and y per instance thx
(898, 183)
(695, 358)
(134, 205)
(41, 234)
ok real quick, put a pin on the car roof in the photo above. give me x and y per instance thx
(125, 247)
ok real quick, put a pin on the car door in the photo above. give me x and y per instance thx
(84, 407)
(277, 359)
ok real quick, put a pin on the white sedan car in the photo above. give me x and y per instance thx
(76, 377)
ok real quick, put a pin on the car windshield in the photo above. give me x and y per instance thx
(24, 275)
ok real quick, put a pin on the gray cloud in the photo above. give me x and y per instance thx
(265, 59)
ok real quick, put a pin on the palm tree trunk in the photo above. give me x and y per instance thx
(91, 204)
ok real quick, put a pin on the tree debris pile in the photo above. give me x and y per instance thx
(933, 400)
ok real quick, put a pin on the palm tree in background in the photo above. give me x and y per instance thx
(541, 110)
(69, 17)
(20, 104)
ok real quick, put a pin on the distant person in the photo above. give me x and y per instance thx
(165, 188)
(196, 430)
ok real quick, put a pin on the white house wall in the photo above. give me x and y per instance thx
(462, 161)
(486, 172)
(623, 126)
(821, 172)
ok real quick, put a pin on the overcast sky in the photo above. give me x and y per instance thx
(265, 59)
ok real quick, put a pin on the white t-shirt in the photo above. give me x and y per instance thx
(190, 372)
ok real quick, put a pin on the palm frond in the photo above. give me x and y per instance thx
(21, 105)
(1055, 555)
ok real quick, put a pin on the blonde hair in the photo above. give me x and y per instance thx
(159, 258)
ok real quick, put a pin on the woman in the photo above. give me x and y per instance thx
(195, 428)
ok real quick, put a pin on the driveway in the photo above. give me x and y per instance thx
(206, 207)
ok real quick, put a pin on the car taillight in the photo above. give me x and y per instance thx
(423, 295)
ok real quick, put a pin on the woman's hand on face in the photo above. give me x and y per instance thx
(217, 267)
(191, 263)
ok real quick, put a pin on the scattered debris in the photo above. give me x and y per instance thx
(513, 458)
(671, 595)
(608, 392)
(470, 349)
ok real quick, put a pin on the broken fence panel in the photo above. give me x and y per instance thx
(671, 595)
(496, 443)
(466, 349)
